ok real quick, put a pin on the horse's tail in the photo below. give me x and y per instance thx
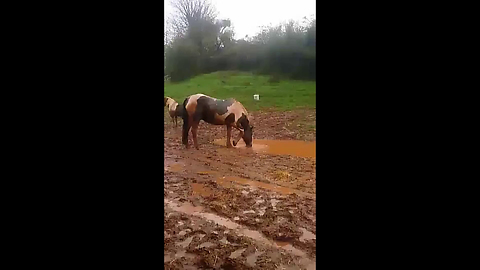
(185, 122)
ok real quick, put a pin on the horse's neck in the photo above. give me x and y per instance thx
(170, 103)
(172, 106)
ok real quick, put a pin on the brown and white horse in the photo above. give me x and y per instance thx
(214, 111)
(173, 109)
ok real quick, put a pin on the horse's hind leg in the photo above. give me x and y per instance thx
(194, 133)
(187, 124)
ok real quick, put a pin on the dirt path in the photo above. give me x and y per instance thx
(240, 208)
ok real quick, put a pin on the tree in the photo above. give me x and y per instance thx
(197, 42)
(188, 14)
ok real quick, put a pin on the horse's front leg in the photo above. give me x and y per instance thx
(239, 137)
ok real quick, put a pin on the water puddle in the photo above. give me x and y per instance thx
(173, 166)
(205, 172)
(237, 253)
(252, 258)
(183, 253)
(206, 245)
(281, 244)
(185, 243)
(278, 147)
(187, 208)
(254, 235)
(182, 233)
(294, 251)
(224, 240)
(199, 189)
(220, 221)
(227, 181)
(306, 235)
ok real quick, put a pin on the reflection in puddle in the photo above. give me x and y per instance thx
(227, 181)
(278, 147)
(199, 189)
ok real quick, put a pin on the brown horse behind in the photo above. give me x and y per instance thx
(173, 109)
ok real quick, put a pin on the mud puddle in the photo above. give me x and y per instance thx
(228, 181)
(199, 189)
(278, 147)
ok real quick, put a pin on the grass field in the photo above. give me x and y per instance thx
(283, 95)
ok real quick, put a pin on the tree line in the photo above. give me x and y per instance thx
(197, 42)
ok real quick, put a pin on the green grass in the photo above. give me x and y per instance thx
(283, 95)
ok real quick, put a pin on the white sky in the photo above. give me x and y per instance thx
(248, 15)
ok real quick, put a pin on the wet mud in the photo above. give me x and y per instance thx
(239, 208)
(277, 147)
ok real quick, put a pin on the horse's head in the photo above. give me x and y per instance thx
(247, 134)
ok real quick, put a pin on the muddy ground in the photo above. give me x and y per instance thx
(238, 208)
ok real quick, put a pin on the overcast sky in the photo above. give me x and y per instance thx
(248, 15)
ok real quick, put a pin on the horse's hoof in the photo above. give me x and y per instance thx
(234, 144)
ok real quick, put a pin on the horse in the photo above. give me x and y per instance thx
(173, 109)
(214, 111)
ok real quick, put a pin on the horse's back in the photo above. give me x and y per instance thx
(213, 110)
